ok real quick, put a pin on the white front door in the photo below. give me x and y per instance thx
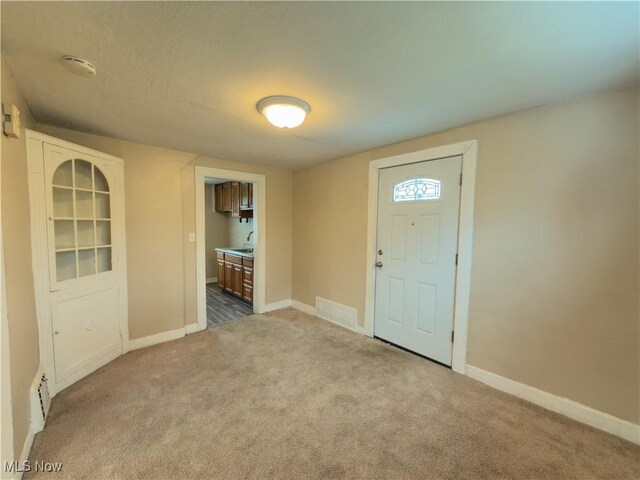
(84, 291)
(417, 239)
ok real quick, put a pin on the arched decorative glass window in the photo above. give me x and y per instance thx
(82, 220)
(417, 189)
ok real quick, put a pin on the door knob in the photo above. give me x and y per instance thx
(378, 264)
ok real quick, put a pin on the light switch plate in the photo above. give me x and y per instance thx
(192, 237)
(11, 120)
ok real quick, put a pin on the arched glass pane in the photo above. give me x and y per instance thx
(83, 175)
(417, 189)
(63, 175)
(82, 220)
(101, 181)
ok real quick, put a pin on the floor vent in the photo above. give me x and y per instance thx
(43, 397)
(337, 313)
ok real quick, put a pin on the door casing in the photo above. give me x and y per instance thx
(468, 150)
(40, 252)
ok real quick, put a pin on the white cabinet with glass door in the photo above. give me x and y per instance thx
(82, 299)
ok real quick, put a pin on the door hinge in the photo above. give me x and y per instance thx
(452, 335)
(456, 259)
(460, 178)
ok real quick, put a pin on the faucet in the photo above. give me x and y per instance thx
(249, 236)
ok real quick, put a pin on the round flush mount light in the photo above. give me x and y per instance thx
(79, 66)
(284, 112)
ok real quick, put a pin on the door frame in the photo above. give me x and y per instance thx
(40, 253)
(469, 152)
(260, 236)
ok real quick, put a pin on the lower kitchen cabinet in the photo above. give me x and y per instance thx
(235, 275)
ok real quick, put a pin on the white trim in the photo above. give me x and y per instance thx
(469, 152)
(569, 408)
(40, 254)
(303, 307)
(6, 418)
(259, 187)
(270, 307)
(212, 280)
(162, 337)
(191, 328)
(26, 450)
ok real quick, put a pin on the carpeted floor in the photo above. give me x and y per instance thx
(289, 396)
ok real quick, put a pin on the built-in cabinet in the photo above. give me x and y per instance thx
(235, 275)
(234, 197)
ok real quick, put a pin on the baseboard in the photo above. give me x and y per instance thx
(569, 408)
(212, 280)
(191, 328)
(270, 307)
(303, 307)
(143, 342)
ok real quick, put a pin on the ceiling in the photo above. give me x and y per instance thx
(187, 75)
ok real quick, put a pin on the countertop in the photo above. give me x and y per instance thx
(234, 251)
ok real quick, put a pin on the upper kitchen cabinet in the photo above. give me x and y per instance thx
(234, 197)
(246, 196)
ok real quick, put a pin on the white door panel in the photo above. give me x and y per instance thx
(84, 330)
(418, 207)
(85, 303)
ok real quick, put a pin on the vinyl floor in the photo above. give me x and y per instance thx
(222, 307)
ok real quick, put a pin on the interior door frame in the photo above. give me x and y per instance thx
(469, 152)
(40, 253)
(259, 182)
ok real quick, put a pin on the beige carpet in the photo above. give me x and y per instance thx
(289, 396)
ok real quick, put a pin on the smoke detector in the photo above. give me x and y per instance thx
(79, 66)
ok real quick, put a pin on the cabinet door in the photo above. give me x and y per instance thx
(228, 277)
(244, 196)
(218, 198)
(221, 273)
(247, 294)
(235, 199)
(226, 197)
(250, 204)
(247, 278)
(237, 280)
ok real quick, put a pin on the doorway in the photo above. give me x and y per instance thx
(230, 276)
(229, 249)
(423, 292)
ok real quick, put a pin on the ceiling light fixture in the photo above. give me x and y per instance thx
(284, 112)
(79, 66)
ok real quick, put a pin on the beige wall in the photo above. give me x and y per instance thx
(555, 279)
(160, 214)
(21, 312)
(216, 227)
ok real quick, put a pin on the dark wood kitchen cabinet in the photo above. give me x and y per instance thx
(246, 196)
(234, 197)
(220, 260)
(235, 275)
